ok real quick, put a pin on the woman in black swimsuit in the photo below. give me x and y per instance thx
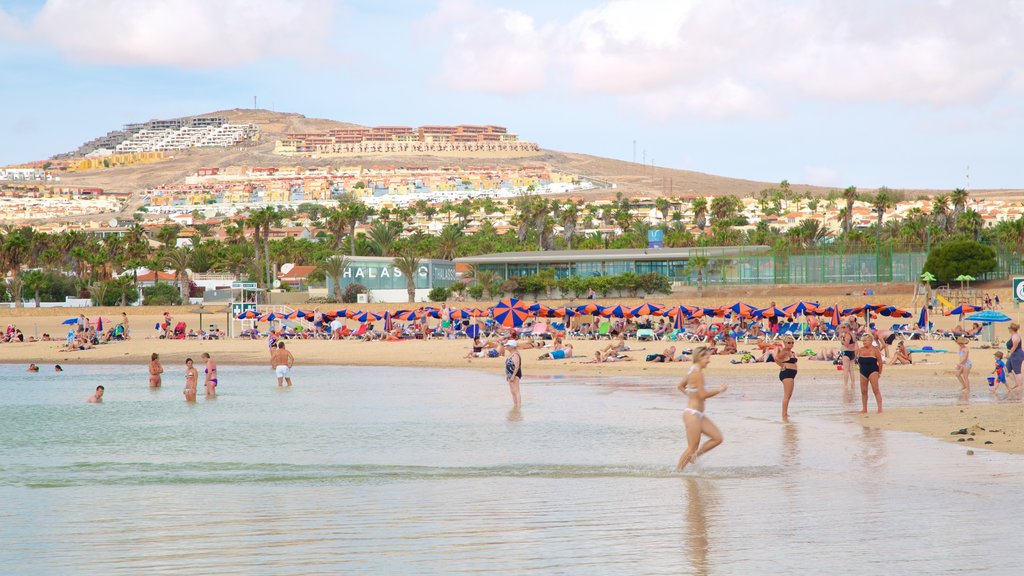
(869, 359)
(849, 345)
(786, 359)
(514, 372)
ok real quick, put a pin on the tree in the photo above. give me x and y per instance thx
(448, 241)
(662, 204)
(409, 265)
(383, 235)
(486, 279)
(698, 264)
(882, 201)
(353, 211)
(940, 211)
(725, 207)
(568, 215)
(951, 259)
(850, 195)
(958, 198)
(334, 267)
(970, 224)
(179, 260)
(34, 281)
(700, 213)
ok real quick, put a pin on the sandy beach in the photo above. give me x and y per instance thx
(931, 373)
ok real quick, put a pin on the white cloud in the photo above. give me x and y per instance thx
(190, 34)
(820, 176)
(10, 28)
(728, 58)
(489, 50)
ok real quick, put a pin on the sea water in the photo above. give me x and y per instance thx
(404, 471)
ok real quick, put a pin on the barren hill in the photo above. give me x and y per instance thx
(629, 177)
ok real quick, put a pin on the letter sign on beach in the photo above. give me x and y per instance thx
(1018, 289)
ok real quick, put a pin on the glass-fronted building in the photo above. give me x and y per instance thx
(670, 262)
(387, 284)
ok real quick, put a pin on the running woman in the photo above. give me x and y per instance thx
(694, 418)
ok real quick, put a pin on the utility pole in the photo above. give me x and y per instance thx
(254, 102)
(634, 151)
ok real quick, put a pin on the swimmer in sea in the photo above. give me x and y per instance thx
(33, 368)
(694, 417)
(155, 370)
(211, 375)
(514, 372)
(786, 359)
(97, 397)
(281, 361)
(869, 360)
(191, 380)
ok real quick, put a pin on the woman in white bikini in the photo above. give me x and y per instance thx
(191, 380)
(696, 421)
(963, 368)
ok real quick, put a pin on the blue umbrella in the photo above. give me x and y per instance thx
(70, 321)
(388, 324)
(989, 316)
(922, 320)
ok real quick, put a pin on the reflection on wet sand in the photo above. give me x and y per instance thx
(696, 542)
(514, 415)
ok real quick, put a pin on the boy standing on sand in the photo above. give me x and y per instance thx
(281, 361)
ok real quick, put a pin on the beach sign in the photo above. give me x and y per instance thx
(1018, 289)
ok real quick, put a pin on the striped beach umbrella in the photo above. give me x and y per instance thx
(540, 310)
(365, 317)
(508, 313)
(801, 307)
(408, 315)
(617, 311)
(589, 309)
(738, 309)
(462, 314)
(964, 309)
(248, 315)
(563, 312)
(648, 309)
(769, 312)
(305, 314)
(835, 315)
(389, 325)
(895, 312)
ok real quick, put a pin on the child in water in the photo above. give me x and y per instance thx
(998, 375)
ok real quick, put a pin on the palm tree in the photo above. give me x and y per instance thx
(448, 241)
(850, 195)
(487, 279)
(959, 199)
(698, 264)
(257, 220)
(970, 223)
(882, 201)
(567, 216)
(178, 260)
(271, 218)
(335, 267)
(383, 235)
(699, 207)
(353, 212)
(409, 265)
(662, 204)
(33, 281)
(940, 211)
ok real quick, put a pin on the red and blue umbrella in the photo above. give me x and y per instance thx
(510, 313)
(801, 307)
(770, 312)
(408, 315)
(738, 309)
(922, 320)
(248, 315)
(388, 324)
(540, 310)
(835, 315)
(305, 313)
(564, 312)
(895, 312)
(648, 309)
(589, 309)
(617, 311)
(462, 314)
(964, 309)
(364, 317)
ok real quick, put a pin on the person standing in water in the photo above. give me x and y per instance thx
(963, 367)
(281, 361)
(1014, 356)
(786, 359)
(211, 375)
(696, 421)
(97, 396)
(191, 381)
(514, 372)
(848, 342)
(869, 359)
(155, 370)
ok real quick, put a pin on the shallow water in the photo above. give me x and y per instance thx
(383, 470)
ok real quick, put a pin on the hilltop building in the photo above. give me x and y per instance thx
(404, 139)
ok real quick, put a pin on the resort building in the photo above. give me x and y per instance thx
(386, 283)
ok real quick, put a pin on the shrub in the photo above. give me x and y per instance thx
(439, 294)
(951, 259)
(160, 295)
(476, 291)
(352, 291)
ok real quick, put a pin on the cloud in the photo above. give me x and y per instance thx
(188, 34)
(730, 58)
(490, 50)
(10, 28)
(820, 176)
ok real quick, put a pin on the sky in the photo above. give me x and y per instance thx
(900, 93)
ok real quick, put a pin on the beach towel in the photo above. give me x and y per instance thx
(926, 351)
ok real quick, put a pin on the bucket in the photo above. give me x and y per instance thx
(991, 380)
(839, 367)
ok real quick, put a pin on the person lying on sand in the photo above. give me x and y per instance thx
(668, 355)
(559, 354)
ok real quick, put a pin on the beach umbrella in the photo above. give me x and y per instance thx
(964, 278)
(462, 314)
(895, 312)
(510, 317)
(989, 316)
(563, 312)
(306, 313)
(648, 309)
(389, 325)
(99, 320)
(70, 321)
(927, 277)
(835, 315)
(964, 309)
(589, 309)
(801, 307)
(617, 311)
(540, 310)
(204, 310)
(409, 315)
(364, 317)
(248, 315)
(739, 309)
(479, 312)
(769, 312)
(922, 320)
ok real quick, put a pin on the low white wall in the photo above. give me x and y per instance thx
(398, 295)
